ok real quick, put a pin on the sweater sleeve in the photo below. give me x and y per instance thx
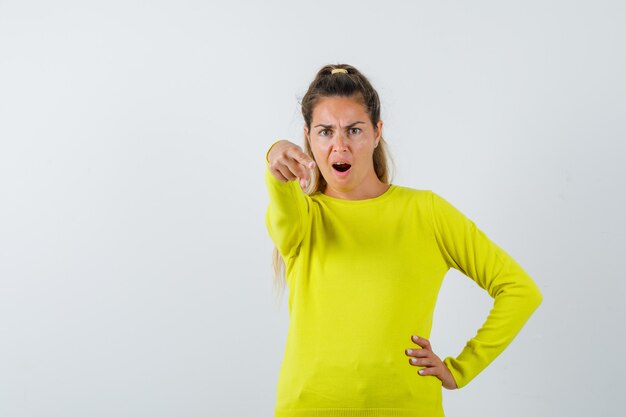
(516, 296)
(287, 214)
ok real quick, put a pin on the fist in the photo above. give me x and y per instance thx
(287, 161)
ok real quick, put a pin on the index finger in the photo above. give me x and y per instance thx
(303, 158)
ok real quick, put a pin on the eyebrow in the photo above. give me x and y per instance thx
(329, 126)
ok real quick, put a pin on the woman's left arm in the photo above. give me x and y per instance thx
(516, 296)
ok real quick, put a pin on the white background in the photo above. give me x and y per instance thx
(135, 267)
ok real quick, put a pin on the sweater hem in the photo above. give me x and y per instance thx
(354, 412)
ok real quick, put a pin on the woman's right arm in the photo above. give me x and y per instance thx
(287, 213)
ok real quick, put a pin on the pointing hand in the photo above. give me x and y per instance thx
(287, 162)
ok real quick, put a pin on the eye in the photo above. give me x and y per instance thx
(355, 130)
(324, 132)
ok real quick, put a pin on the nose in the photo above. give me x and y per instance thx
(340, 143)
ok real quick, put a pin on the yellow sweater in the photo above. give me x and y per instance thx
(364, 276)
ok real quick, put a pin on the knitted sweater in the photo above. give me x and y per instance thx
(363, 276)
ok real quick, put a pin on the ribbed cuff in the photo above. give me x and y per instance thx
(268, 151)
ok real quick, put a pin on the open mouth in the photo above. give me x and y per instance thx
(341, 167)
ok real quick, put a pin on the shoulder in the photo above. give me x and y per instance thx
(426, 196)
(417, 198)
(417, 194)
(425, 199)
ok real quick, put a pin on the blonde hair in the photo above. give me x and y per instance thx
(347, 83)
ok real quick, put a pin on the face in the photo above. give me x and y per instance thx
(342, 140)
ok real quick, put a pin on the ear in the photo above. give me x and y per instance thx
(379, 132)
(306, 135)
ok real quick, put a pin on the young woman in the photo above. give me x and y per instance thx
(364, 260)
